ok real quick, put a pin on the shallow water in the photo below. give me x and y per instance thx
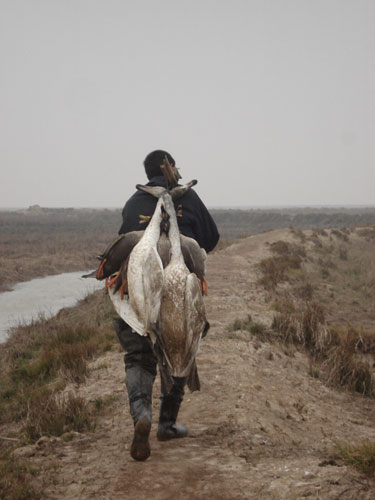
(44, 296)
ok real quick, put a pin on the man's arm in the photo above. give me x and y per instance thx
(195, 221)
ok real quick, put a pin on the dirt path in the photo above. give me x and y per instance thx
(261, 427)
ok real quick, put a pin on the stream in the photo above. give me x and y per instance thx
(42, 296)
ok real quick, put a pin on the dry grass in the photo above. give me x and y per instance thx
(339, 272)
(341, 234)
(344, 280)
(361, 456)
(16, 478)
(37, 362)
(42, 357)
(52, 241)
(254, 327)
(342, 358)
(350, 361)
(367, 232)
(286, 257)
(298, 233)
(53, 415)
(42, 241)
(303, 325)
(304, 291)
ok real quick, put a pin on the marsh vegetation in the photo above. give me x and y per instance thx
(317, 286)
(42, 241)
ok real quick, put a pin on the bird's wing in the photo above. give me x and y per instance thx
(121, 249)
(110, 246)
(152, 277)
(195, 318)
(116, 252)
(126, 312)
(194, 256)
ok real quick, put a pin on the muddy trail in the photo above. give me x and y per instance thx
(260, 428)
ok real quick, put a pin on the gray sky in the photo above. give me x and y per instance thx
(265, 102)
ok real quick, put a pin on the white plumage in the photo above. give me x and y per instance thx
(182, 316)
(165, 303)
(145, 280)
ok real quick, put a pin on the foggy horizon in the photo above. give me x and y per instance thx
(265, 103)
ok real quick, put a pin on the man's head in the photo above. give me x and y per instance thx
(154, 160)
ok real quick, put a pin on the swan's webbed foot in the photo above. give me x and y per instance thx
(113, 279)
(203, 285)
(100, 271)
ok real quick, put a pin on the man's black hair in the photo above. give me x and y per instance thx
(154, 160)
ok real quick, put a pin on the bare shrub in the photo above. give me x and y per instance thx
(280, 247)
(305, 291)
(273, 272)
(340, 234)
(305, 326)
(315, 239)
(345, 358)
(298, 234)
(351, 363)
(274, 269)
(254, 327)
(50, 415)
(284, 248)
(65, 350)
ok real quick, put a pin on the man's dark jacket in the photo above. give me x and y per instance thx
(193, 217)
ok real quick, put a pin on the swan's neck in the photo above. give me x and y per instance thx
(153, 229)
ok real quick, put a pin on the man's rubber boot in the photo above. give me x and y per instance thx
(170, 404)
(139, 384)
(140, 368)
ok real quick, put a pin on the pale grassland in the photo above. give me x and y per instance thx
(327, 306)
(52, 241)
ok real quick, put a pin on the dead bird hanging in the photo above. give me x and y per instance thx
(159, 267)
(114, 260)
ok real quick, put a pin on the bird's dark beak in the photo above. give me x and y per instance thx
(164, 225)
